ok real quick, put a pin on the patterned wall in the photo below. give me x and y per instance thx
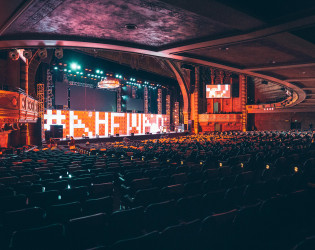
(77, 123)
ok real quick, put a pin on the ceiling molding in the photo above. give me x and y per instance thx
(302, 79)
(17, 13)
(253, 35)
(301, 65)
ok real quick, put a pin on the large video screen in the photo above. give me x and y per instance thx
(135, 104)
(91, 123)
(218, 91)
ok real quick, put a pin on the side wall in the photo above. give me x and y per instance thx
(282, 121)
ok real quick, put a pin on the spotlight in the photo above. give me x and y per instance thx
(42, 53)
(59, 53)
(27, 54)
(14, 55)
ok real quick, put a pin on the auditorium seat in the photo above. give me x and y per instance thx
(10, 203)
(142, 197)
(88, 231)
(99, 205)
(63, 212)
(126, 223)
(101, 190)
(189, 208)
(50, 237)
(216, 231)
(44, 199)
(74, 194)
(160, 215)
(144, 242)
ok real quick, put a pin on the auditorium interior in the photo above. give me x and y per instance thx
(157, 124)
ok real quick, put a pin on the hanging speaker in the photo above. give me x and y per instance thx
(14, 54)
(27, 54)
(59, 53)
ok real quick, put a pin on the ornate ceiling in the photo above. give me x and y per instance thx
(267, 39)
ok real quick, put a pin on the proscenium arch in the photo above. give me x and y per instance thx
(8, 44)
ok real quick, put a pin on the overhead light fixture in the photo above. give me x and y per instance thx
(131, 26)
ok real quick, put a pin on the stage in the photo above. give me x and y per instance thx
(79, 140)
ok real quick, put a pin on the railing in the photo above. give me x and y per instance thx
(17, 107)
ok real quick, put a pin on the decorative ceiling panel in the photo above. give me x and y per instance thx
(157, 23)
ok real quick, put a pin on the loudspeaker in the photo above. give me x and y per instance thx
(235, 89)
(47, 135)
(132, 134)
(56, 131)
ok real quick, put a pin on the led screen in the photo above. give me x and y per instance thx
(218, 91)
(76, 123)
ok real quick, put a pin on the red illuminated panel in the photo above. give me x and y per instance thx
(90, 123)
(218, 91)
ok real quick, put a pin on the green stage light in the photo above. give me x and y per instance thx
(97, 71)
(73, 66)
(55, 68)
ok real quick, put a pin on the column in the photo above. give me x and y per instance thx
(176, 114)
(196, 101)
(168, 111)
(159, 101)
(119, 100)
(243, 87)
(146, 100)
(41, 107)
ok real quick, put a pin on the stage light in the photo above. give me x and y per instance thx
(102, 72)
(267, 166)
(14, 55)
(296, 169)
(69, 70)
(42, 53)
(55, 68)
(97, 71)
(75, 66)
(65, 70)
(88, 74)
(27, 54)
(59, 53)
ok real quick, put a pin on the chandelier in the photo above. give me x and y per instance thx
(108, 84)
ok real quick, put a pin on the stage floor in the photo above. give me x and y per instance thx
(120, 138)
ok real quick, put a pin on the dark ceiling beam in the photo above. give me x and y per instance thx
(15, 15)
(301, 65)
(302, 79)
(253, 35)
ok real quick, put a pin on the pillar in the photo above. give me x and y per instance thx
(196, 101)
(243, 87)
